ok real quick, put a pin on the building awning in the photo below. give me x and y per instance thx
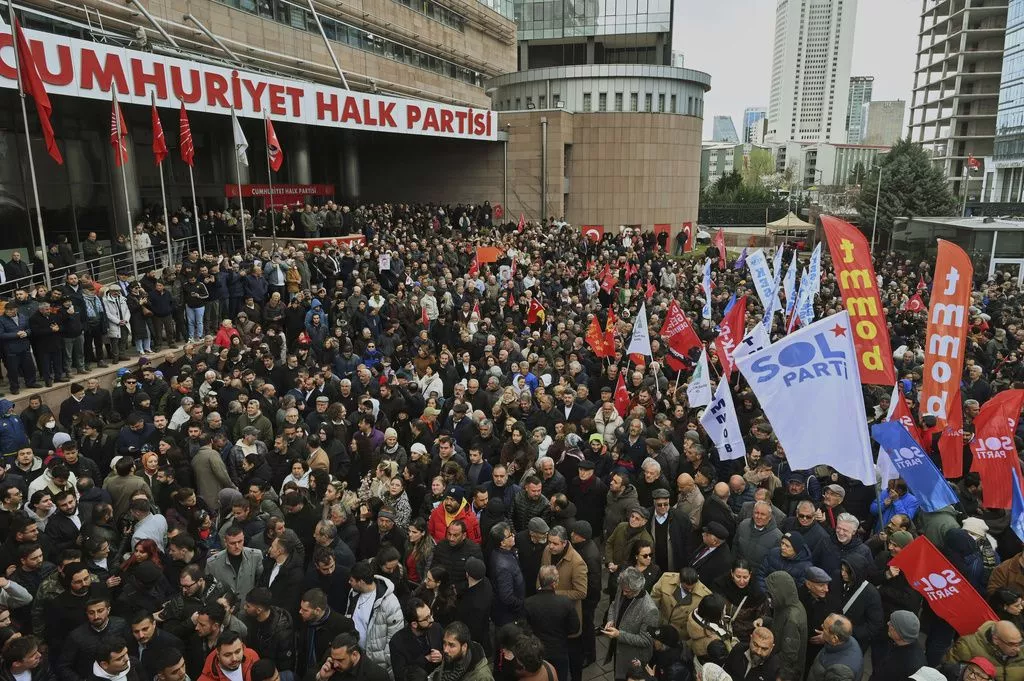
(790, 222)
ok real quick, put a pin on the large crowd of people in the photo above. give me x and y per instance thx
(391, 461)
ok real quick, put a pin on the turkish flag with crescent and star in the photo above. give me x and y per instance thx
(593, 232)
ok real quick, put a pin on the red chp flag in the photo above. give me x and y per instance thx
(522, 223)
(621, 396)
(274, 152)
(914, 304)
(947, 593)
(118, 133)
(851, 258)
(159, 141)
(679, 336)
(951, 440)
(474, 267)
(32, 85)
(946, 337)
(609, 332)
(995, 454)
(595, 338)
(424, 319)
(730, 334)
(720, 245)
(188, 150)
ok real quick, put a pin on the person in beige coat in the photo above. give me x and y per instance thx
(572, 569)
(210, 473)
(677, 595)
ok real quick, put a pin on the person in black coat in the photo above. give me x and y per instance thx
(714, 557)
(904, 655)
(284, 564)
(347, 661)
(325, 574)
(80, 647)
(754, 661)
(820, 598)
(47, 344)
(553, 619)
(589, 493)
(64, 525)
(474, 606)
(716, 510)
(583, 542)
(319, 625)
(672, 532)
(418, 645)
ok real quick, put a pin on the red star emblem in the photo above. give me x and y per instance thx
(838, 331)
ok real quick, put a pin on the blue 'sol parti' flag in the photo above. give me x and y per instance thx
(913, 465)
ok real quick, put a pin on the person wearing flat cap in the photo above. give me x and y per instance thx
(672, 533)
(454, 506)
(616, 549)
(904, 654)
(714, 557)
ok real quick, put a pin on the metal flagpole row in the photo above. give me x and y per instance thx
(270, 183)
(31, 160)
(124, 180)
(195, 210)
(238, 179)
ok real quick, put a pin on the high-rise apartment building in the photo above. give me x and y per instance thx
(724, 130)
(956, 84)
(752, 115)
(811, 70)
(860, 95)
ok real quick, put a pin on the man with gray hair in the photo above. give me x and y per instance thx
(843, 544)
(631, 617)
(572, 583)
(181, 415)
(553, 618)
(840, 648)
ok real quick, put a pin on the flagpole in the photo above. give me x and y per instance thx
(195, 209)
(124, 180)
(270, 183)
(238, 178)
(28, 146)
(163, 197)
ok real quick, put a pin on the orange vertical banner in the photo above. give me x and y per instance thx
(851, 259)
(946, 337)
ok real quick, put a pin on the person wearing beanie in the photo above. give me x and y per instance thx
(894, 590)
(903, 654)
(475, 603)
(791, 555)
(453, 507)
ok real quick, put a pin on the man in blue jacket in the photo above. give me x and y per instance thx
(12, 431)
(15, 333)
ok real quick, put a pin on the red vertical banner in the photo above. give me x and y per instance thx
(946, 337)
(621, 396)
(857, 282)
(733, 326)
(720, 245)
(948, 594)
(688, 233)
(995, 454)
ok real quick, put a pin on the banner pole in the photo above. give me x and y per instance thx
(195, 210)
(31, 159)
(270, 184)
(167, 219)
(238, 178)
(124, 182)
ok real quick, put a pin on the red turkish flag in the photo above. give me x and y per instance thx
(688, 232)
(535, 312)
(947, 593)
(498, 211)
(424, 320)
(592, 232)
(274, 152)
(680, 338)
(33, 86)
(920, 283)
(914, 304)
(951, 441)
(474, 267)
(730, 334)
(995, 454)
(720, 245)
(621, 396)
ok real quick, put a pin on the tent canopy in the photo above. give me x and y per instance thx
(791, 221)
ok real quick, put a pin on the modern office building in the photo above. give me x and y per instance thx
(410, 87)
(885, 122)
(860, 96)
(956, 85)
(825, 164)
(1005, 181)
(811, 70)
(751, 117)
(718, 159)
(615, 126)
(724, 130)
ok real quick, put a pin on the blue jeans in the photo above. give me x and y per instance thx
(194, 316)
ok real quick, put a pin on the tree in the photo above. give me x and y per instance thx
(759, 164)
(732, 189)
(857, 174)
(911, 185)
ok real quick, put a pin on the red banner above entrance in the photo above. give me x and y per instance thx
(280, 190)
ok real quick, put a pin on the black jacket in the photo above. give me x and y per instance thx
(162, 640)
(314, 641)
(553, 620)
(77, 651)
(454, 560)
(274, 638)
(287, 586)
(474, 608)
(62, 531)
(409, 650)
(589, 500)
(900, 662)
(736, 666)
(711, 566)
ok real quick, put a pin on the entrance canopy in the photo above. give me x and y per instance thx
(790, 222)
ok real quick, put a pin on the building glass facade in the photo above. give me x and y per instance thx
(1009, 144)
(550, 19)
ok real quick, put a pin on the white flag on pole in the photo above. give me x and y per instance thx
(698, 390)
(808, 384)
(755, 341)
(789, 286)
(762, 276)
(706, 283)
(722, 426)
(640, 343)
(241, 144)
(814, 270)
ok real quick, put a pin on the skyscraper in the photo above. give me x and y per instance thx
(956, 84)
(860, 95)
(811, 70)
(751, 115)
(724, 130)
(1009, 145)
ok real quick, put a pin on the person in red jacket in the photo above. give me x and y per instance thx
(454, 506)
(225, 333)
(229, 656)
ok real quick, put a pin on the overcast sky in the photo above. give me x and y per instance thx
(732, 40)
